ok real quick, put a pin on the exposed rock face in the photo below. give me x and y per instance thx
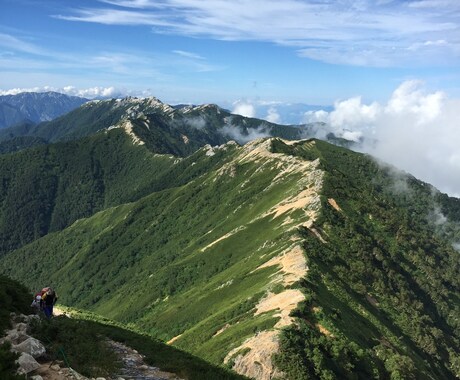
(27, 363)
(14, 337)
(32, 347)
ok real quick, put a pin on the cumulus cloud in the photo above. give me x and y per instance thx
(244, 108)
(415, 130)
(241, 136)
(273, 116)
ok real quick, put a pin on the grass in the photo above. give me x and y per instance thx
(144, 262)
(73, 339)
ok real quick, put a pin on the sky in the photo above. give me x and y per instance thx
(349, 63)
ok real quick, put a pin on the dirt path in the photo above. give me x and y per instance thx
(134, 366)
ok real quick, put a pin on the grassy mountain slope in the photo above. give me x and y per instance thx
(185, 260)
(383, 281)
(91, 357)
(46, 188)
(215, 259)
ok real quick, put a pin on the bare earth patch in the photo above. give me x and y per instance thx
(334, 204)
(127, 125)
(292, 264)
(223, 237)
(324, 330)
(257, 363)
(221, 330)
(172, 340)
(285, 302)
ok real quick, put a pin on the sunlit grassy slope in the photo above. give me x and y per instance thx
(380, 297)
(184, 260)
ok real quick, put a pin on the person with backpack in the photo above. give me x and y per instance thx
(49, 299)
(37, 303)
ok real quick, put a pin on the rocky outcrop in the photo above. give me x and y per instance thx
(27, 363)
(31, 346)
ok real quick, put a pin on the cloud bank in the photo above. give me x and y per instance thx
(236, 133)
(89, 93)
(415, 130)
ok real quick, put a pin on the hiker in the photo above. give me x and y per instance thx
(37, 303)
(49, 298)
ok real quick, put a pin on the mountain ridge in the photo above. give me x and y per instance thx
(35, 107)
(302, 259)
(219, 238)
(208, 123)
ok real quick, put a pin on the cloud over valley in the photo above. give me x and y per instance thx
(415, 130)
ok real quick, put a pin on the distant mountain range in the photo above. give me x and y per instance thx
(33, 107)
(203, 124)
(244, 242)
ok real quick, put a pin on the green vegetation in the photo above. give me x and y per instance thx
(384, 285)
(80, 342)
(72, 340)
(15, 298)
(143, 262)
(172, 245)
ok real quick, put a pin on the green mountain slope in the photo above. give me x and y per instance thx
(304, 250)
(144, 262)
(72, 340)
(45, 189)
(383, 279)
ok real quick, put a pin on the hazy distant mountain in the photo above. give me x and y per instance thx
(35, 107)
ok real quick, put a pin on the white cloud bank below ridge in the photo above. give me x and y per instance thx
(414, 130)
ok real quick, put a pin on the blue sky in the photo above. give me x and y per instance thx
(220, 51)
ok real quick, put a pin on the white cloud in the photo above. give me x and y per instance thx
(196, 122)
(235, 133)
(415, 130)
(92, 92)
(244, 108)
(188, 54)
(366, 33)
(16, 44)
(273, 116)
